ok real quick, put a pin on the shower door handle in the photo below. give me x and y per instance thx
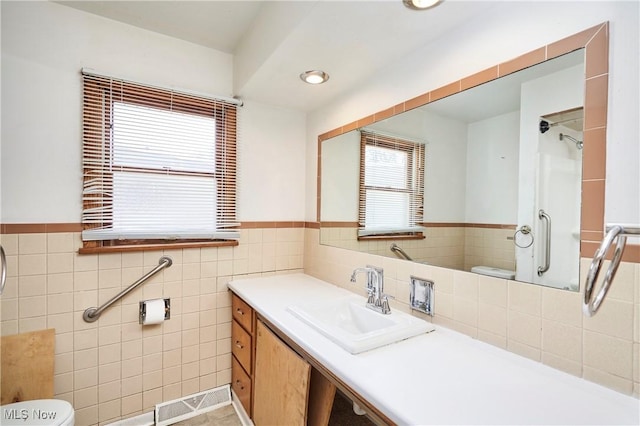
(547, 243)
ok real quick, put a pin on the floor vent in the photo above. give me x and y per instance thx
(190, 406)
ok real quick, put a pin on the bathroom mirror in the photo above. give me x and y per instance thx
(502, 178)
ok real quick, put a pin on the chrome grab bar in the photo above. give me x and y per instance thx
(547, 244)
(3, 270)
(590, 304)
(92, 314)
(396, 249)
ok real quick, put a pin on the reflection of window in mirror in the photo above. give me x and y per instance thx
(391, 186)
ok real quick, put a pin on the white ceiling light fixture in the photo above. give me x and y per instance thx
(314, 77)
(420, 4)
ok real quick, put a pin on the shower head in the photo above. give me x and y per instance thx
(544, 126)
(572, 139)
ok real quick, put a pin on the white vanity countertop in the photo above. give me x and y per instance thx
(442, 377)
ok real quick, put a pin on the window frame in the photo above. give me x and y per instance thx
(414, 188)
(97, 128)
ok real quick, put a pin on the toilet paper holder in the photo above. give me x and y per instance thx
(143, 310)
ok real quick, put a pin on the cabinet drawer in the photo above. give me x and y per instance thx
(242, 313)
(241, 346)
(241, 385)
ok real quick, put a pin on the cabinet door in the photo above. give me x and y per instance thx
(321, 395)
(281, 382)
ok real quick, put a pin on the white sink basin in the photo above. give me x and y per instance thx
(356, 328)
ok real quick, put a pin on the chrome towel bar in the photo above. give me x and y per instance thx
(92, 314)
(620, 233)
(3, 270)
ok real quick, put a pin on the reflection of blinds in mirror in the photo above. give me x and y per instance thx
(391, 185)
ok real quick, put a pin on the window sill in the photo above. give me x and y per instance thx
(156, 246)
(417, 236)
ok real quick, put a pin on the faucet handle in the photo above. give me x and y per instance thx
(384, 306)
(382, 299)
(378, 302)
(370, 296)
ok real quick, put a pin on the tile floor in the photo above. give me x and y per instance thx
(225, 416)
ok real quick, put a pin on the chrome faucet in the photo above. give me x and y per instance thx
(376, 300)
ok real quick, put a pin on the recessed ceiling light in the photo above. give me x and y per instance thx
(420, 4)
(314, 77)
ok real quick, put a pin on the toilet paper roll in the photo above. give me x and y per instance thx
(154, 310)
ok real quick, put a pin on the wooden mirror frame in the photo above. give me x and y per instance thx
(595, 42)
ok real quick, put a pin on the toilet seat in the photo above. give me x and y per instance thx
(49, 412)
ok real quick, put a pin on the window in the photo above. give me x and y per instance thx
(159, 166)
(391, 185)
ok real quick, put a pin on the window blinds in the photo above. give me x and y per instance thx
(391, 185)
(157, 164)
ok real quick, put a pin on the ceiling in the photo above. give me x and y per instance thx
(503, 95)
(272, 42)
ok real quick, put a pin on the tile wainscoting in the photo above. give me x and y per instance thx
(454, 246)
(115, 368)
(540, 323)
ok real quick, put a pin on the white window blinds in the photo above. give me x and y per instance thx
(391, 185)
(157, 164)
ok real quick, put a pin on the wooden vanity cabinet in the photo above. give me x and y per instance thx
(275, 385)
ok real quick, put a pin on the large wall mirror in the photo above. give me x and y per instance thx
(504, 175)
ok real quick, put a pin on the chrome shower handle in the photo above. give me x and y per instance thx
(547, 244)
(3, 270)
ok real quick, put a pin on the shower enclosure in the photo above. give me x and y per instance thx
(550, 179)
(553, 260)
(558, 194)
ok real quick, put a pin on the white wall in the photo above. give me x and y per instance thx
(445, 169)
(492, 170)
(505, 32)
(44, 46)
(341, 178)
(271, 164)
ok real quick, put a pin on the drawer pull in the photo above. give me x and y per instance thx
(240, 311)
(239, 384)
(239, 345)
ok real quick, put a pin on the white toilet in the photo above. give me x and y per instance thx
(49, 412)
(494, 272)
